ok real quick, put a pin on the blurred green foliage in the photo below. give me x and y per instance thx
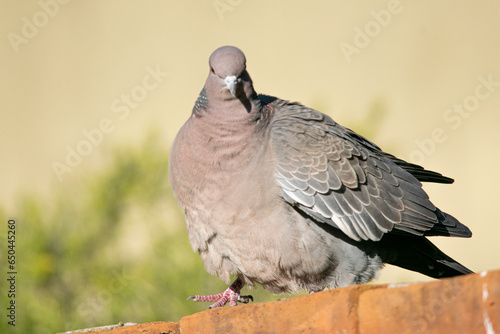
(107, 246)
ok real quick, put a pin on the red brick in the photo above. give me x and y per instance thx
(159, 327)
(466, 304)
(447, 306)
(332, 311)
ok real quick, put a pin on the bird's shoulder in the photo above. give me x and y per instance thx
(294, 122)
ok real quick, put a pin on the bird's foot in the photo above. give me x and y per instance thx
(314, 291)
(231, 296)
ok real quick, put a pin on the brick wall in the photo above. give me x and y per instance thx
(466, 304)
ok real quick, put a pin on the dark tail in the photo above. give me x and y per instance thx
(448, 226)
(420, 255)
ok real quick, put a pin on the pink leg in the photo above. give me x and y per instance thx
(231, 295)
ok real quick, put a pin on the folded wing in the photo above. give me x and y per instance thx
(340, 178)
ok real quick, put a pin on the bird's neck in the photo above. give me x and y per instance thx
(227, 114)
(226, 130)
(227, 126)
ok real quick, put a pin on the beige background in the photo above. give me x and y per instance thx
(66, 76)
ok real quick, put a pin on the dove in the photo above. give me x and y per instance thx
(278, 194)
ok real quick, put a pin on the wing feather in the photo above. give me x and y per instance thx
(337, 177)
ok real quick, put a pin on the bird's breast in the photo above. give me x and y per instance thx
(213, 166)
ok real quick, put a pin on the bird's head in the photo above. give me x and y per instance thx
(228, 71)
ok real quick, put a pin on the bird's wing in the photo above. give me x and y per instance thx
(338, 177)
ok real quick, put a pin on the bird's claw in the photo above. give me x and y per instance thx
(231, 295)
(245, 299)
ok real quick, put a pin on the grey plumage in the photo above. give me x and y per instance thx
(281, 195)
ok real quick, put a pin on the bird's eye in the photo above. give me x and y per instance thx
(212, 70)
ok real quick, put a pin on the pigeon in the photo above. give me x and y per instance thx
(278, 194)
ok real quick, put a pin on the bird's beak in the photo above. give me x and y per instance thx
(231, 82)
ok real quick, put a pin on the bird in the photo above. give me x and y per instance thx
(278, 194)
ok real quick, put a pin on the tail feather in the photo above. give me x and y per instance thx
(420, 255)
(448, 226)
(419, 172)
